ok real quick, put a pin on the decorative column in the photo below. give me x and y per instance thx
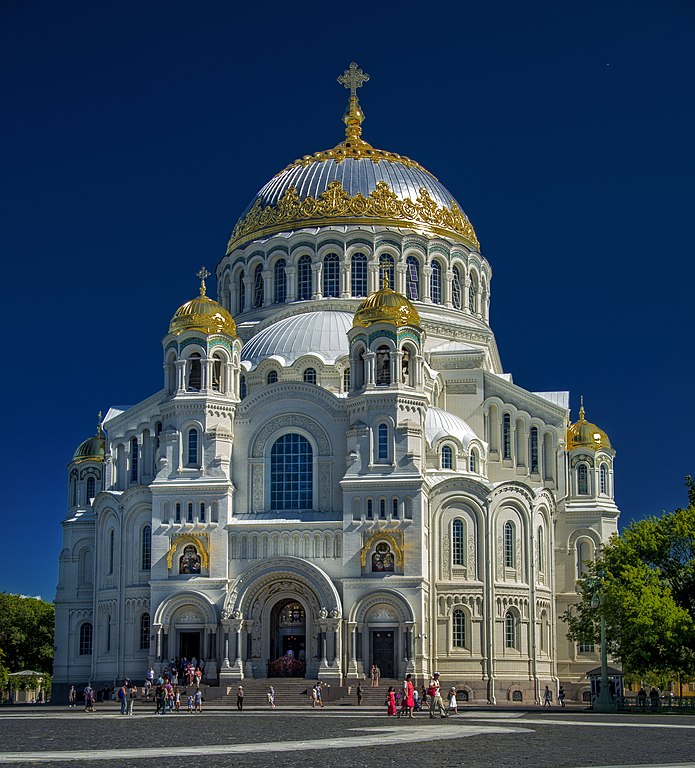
(158, 643)
(400, 278)
(211, 651)
(345, 279)
(352, 671)
(426, 284)
(248, 658)
(372, 277)
(410, 646)
(316, 275)
(369, 359)
(449, 279)
(466, 288)
(291, 275)
(267, 285)
(180, 366)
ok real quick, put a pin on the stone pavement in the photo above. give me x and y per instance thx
(59, 737)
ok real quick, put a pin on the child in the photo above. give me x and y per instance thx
(453, 704)
(190, 702)
(391, 701)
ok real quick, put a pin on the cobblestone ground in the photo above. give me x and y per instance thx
(343, 738)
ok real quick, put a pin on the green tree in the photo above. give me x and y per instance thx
(646, 581)
(26, 633)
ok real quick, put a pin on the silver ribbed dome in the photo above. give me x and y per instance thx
(320, 333)
(440, 423)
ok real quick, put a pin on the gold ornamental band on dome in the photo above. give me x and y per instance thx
(335, 207)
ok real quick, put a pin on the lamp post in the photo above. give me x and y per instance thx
(605, 702)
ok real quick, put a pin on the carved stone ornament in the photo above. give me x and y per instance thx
(283, 422)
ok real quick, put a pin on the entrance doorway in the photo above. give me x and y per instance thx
(189, 645)
(287, 640)
(383, 651)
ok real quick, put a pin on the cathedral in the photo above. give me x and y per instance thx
(337, 471)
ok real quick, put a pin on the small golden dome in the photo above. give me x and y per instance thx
(93, 448)
(584, 434)
(388, 306)
(202, 314)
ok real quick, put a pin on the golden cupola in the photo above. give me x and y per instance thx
(202, 314)
(386, 306)
(93, 448)
(584, 434)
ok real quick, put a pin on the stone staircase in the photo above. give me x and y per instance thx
(289, 691)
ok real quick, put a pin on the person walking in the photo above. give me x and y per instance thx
(375, 675)
(198, 699)
(240, 698)
(122, 696)
(547, 697)
(89, 698)
(453, 702)
(408, 696)
(271, 696)
(391, 702)
(132, 695)
(561, 696)
(435, 695)
(72, 696)
(360, 694)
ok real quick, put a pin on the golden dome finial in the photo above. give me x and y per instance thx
(353, 78)
(581, 407)
(202, 273)
(99, 423)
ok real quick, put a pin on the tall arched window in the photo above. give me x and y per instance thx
(582, 480)
(258, 287)
(194, 373)
(291, 473)
(370, 509)
(272, 378)
(331, 275)
(242, 387)
(458, 620)
(346, 380)
(447, 457)
(86, 639)
(458, 551)
(506, 436)
(382, 509)
(193, 448)
(304, 278)
(145, 632)
(134, 457)
(509, 544)
(383, 442)
(73, 488)
(383, 367)
(111, 550)
(509, 630)
(456, 289)
(394, 509)
(280, 282)
(358, 274)
(241, 293)
(533, 450)
(473, 294)
(603, 479)
(541, 551)
(177, 512)
(91, 487)
(310, 375)
(584, 556)
(386, 266)
(473, 461)
(436, 283)
(146, 549)
(412, 278)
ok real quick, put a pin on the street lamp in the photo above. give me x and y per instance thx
(605, 702)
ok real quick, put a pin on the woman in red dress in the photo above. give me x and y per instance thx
(391, 701)
(408, 697)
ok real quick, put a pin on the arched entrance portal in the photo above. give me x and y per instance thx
(287, 639)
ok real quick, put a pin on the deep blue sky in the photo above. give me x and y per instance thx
(133, 134)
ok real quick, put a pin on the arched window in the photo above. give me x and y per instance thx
(92, 484)
(177, 517)
(310, 375)
(201, 512)
(145, 632)
(510, 630)
(386, 266)
(331, 275)
(456, 289)
(193, 445)
(194, 373)
(216, 373)
(370, 509)
(533, 450)
(189, 562)
(447, 457)
(134, 456)
(157, 443)
(473, 294)
(189, 514)
(358, 277)
(258, 287)
(584, 556)
(382, 443)
(146, 549)
(509, 545)
(602, 479)
(458, 551)
(304, 278)
(473, 461)
(272, 378)
(112, 546)
(394, 509)
(291, 473)
(86, 639)
(412, 278)
(544, 632)
(541, 551)
(506, 436)
(382, 509)
(383, 367)
(436, 283)
(73, 488)
(382, 559)
(458, 621)
(242, 387)
(346, 380)
(583, 480)
(280, 282)
(241, 297)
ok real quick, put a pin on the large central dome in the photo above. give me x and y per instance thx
(353, 183)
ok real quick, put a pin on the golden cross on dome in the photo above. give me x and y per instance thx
(99, 423)
(202, 273)
(353, 78)
(385, 268)
(581, 408)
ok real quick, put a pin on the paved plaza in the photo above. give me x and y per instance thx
(343, 737)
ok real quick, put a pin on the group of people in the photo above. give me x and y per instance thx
(404, 702)
(548, 697)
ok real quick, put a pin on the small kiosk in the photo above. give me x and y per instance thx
(615, 684)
